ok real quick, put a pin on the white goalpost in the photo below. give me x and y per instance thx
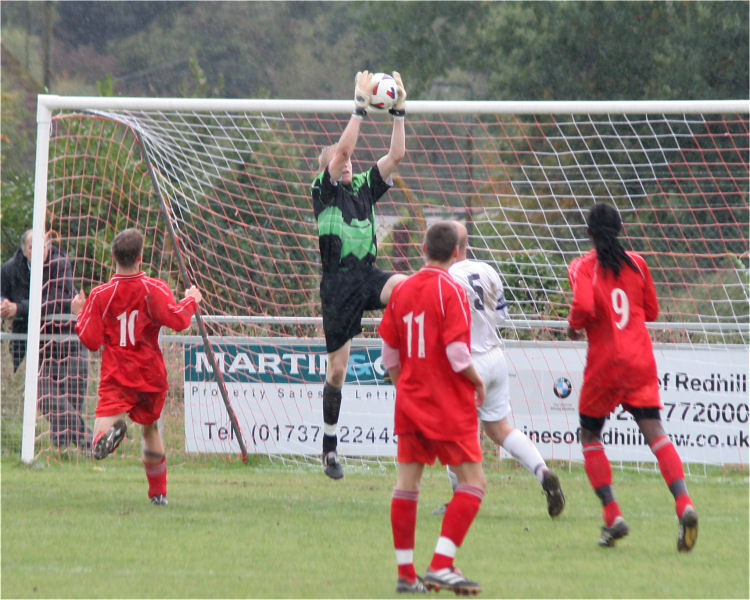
(221, 189)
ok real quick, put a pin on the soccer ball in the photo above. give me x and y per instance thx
(384, 92)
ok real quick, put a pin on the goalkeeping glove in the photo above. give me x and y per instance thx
(362, 92)
(399, 107)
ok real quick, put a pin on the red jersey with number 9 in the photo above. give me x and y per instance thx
(125, 316)
(613, 310)
(426, 312)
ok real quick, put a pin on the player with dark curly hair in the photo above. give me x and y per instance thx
(613, 298)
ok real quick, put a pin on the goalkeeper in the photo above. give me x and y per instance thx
(351, 283)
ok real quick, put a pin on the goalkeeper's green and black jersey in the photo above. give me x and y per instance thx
(346, 219)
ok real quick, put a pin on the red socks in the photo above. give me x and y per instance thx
(156, 473)
(597, 466)
(599, 472)
(458, 518)
(403, 525)
(671, 469)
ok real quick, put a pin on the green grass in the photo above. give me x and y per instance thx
(232, 530)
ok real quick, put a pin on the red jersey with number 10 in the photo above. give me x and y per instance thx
(426, 312)
(125, 316)
(613, 310)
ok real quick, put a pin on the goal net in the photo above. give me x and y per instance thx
(231, 179)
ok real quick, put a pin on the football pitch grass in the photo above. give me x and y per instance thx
(77, 530)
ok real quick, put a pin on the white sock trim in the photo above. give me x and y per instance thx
(446, 547)
(404, 557)
(329, 429)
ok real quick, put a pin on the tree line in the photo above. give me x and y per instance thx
(444, 50)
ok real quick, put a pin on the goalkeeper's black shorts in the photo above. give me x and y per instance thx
(344, 296)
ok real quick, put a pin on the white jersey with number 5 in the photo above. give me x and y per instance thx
(486, 299)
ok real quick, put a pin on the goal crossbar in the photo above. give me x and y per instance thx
(519, 107)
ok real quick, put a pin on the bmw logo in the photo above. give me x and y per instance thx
(563, 387)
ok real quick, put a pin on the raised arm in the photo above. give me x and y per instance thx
(342, 154)
(388, 163)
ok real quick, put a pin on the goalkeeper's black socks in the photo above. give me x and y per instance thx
(329, 443)
(331, 410)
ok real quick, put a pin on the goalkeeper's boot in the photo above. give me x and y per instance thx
(452, 579)
(332, 465)
(687, 533)
(159, 499)
(404, 586)
(555, 496)
(108, 442)
(609, 535)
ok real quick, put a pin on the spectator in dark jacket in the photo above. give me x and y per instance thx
(63, 363)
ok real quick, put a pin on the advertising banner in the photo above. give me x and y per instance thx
(704, 393)
(276, 393)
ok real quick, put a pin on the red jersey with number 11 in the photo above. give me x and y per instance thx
(125, 316)
(426, 312)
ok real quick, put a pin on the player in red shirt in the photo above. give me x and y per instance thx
(613, 297)
(124, 317)
(426, 331)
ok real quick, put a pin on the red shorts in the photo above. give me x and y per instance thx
(415, 448)
(143, 407)
(598, 401)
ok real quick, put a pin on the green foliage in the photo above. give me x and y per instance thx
(82, 201)
(573, 50)
(106, 87)
(232, 223)
(98, 23)
(507, 50)
(198, 85)
(532, 284)
(236, 531)
(425, 39)
(17, 211)
(531, 274)
(243, 46)
(18, 123)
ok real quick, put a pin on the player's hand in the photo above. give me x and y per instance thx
(362, 91)
(194, 293)
(76, 304)
(8, 309)
(574, 334)
(480, 392)
(399, 107)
